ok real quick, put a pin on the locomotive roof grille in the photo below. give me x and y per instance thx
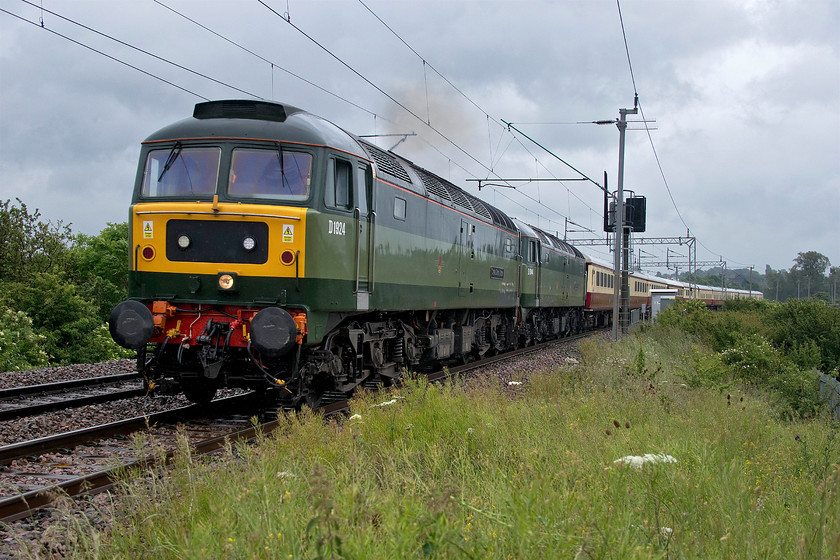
(478, 206)
(386, 163)
(240, 109)
(433, 184)
(499, 218)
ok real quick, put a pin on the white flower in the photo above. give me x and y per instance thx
(356, 417)
(636, 462)
(470, 430)
(666, 532)
(284, 474)
(386, 403)
(514, 383)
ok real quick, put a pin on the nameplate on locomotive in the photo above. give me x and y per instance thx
(496, 272)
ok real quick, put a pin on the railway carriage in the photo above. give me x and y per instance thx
(271, 248)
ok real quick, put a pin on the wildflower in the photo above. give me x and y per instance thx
(666, 532)
(609, 433)
(284, 474)
(356, 417)
(616, 423)
(637, 462)
(470, 430)
(514, 383)
(388, 403)
(627, 425)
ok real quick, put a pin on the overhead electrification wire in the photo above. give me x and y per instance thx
(650, 137)
(499, 122)
(272, 63)
(42, 26)
(138, 49)
(370, 83)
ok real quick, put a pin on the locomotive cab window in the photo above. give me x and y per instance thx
(338, 193)
(363, 182)
(179, 171)
(275, 174)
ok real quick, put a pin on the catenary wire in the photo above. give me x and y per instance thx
(39, 25)
(138, 49)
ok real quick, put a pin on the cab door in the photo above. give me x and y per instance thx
(365, 236)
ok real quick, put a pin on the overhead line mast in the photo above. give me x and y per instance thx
(621, 291)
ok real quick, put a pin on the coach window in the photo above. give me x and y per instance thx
(399, 208)
(338, 185)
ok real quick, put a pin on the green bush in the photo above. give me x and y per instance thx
(20, 345)
(100, 267)
(803, 325)
(70, 324)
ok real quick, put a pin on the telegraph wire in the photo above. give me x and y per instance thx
(40, 25)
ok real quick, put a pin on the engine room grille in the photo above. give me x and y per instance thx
(386, 163)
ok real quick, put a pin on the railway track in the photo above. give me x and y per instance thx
(225, 426)
(92, 470)
(31, 400)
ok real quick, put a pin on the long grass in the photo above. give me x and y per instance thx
(486, 470)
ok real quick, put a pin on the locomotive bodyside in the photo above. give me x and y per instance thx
(271, 246)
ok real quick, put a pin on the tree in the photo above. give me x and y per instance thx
(28, 246)
(811, 266)
(100, 267)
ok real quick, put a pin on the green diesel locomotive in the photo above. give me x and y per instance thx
(271, 248)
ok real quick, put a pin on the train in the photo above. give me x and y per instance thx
(272, 250)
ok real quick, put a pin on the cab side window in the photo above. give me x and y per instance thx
(339, 187)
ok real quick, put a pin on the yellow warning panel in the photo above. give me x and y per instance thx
(288, 233)
(148, 231)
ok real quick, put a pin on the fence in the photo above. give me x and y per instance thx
(830, 392)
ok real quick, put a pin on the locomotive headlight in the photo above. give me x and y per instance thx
(184, 241)
(249, 243)
(226, 282)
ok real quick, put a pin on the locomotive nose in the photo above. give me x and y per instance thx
(131, 324)
(273, 332)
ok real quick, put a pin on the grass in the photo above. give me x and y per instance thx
(492, 471)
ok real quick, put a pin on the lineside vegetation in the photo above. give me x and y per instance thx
(661, 446)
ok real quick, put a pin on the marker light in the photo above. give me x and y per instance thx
(184, 241)
(148, 252)
(287, 257)
(249, 243)
(226, 282)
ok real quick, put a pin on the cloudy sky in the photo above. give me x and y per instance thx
(742, 99)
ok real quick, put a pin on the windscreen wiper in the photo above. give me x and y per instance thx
(282, 164)
(173, 155)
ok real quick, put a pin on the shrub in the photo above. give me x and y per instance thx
(801, 326)
(69, 324)
(20, 346)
